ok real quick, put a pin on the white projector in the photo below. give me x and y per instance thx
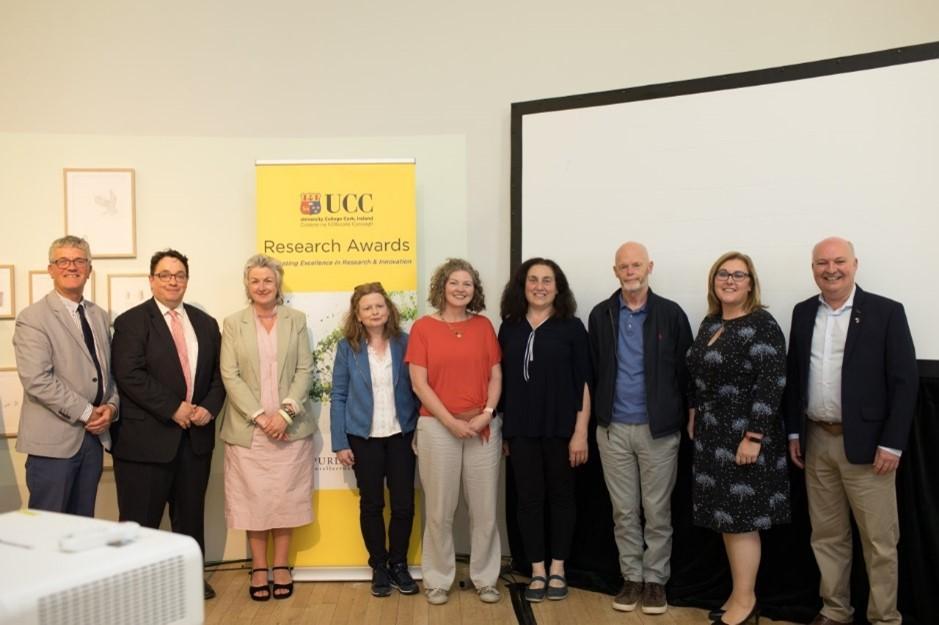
(61, 569)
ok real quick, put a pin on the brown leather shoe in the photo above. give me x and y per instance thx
(821, 619)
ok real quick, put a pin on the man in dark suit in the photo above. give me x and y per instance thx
(63, 356)
(852, 383)
(166, 363)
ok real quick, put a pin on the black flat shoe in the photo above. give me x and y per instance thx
(716, 614)
(207, 591)
(753, 618)
(536, 595)
(258, 593)
(287, 587)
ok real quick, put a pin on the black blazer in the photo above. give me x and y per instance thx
(151, 384)
(879, 375)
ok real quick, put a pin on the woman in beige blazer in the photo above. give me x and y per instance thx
(267, 424)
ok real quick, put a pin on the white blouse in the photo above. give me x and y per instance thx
(384, 419)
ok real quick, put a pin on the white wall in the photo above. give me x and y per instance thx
(191, 93)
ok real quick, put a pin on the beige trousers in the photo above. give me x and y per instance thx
(446, 463)
(837, 488)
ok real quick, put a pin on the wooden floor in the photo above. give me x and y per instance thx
(351, 603)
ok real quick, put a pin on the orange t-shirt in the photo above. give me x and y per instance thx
(458, 357)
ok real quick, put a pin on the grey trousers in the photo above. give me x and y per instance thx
(640, 471)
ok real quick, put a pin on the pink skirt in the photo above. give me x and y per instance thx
(270, 484)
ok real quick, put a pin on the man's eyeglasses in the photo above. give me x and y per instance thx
(165, 276)
(738, 276)
(63, 263)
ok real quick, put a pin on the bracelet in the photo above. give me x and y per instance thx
(755, 439)
(489, 411)
(287, 417)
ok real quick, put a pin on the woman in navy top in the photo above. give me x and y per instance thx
(546, 406)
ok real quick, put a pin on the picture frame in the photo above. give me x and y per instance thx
(100, 206)
(7, 292)
(126, 290)
(11, 402)
(40, 283)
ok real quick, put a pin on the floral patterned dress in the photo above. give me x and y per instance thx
(737, 386)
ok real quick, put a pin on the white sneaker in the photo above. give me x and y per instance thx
(489, 594)
(436, 596)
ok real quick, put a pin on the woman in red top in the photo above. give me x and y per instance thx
(454, 360)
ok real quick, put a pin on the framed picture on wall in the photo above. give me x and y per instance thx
(40, 283)
(11, 401)
(7, 293)
(126, 290)
(100, 207)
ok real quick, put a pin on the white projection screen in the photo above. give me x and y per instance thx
(766, 162)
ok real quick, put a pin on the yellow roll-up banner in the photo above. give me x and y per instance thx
(334, 225)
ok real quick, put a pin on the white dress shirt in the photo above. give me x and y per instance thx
(827, 356)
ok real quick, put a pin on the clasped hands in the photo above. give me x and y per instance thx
(468, 429)
(100, 419)
(188, 415)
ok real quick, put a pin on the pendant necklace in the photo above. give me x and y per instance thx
(458, 333)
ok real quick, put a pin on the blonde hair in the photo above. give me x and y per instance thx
(753, 297)
(260, 261)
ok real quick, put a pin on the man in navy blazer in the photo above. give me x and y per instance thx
(166, 363)
(851, 389)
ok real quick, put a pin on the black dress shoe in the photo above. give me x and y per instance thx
(207, 591)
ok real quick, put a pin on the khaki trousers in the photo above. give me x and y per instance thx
(640, 473)
(835, 487)
(446, 463)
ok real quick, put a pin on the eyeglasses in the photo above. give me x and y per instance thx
(165, 276)
(64, 263)
(738, 276)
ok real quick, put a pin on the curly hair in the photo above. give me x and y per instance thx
(753, 297)
(514, 305)
(438, 283)
(352, 328)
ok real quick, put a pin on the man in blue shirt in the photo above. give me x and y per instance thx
(638, 342)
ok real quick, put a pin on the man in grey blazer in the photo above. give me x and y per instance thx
(63, 356)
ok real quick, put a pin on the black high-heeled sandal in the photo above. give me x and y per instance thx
(287, 587)
(258, 593)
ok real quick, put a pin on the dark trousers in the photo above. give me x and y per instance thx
(145, 488)
(542, 473)
(376, 460)
(66, 484)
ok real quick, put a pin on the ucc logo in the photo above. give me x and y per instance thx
(315, 203)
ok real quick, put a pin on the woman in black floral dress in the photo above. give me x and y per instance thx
(738, 370)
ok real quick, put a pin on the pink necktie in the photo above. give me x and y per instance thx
(179, 337)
